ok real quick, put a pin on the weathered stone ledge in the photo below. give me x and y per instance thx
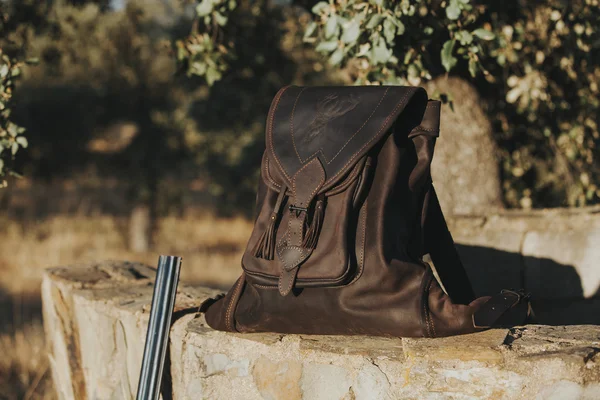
(553, 254)
(96, 316)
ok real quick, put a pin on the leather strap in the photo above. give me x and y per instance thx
(436, 238)
(490, 313)
(305, 185)
(440, 245)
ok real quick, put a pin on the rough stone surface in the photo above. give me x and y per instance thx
(465, 165)
(277, 380)
(578, 250)
(96, 320)
(551, 253)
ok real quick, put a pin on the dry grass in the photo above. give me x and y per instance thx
(211, 249)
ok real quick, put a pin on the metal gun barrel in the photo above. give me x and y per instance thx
(163, 301)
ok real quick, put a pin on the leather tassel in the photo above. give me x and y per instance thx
(311, 235)
(265, 247)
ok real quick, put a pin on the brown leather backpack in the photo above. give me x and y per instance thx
(345, 213)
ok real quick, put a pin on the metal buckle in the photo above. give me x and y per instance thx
(297, 209)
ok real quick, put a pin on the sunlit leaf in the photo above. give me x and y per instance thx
(320, 6)
(484, 34)
(448, 59)
(453, 10)
(22, 140)
(310, 29)
(336, 57)
(389, 31)
(351, 32)
(374, 21)
(331, 26)
(204, 8)
(327, 47)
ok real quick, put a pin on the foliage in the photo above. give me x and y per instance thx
(540, 76)
(202, 52)
(11, 134)
(534, 63)
(546, 98)
(398, 42)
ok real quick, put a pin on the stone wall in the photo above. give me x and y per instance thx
(554, 254)
(96, 315)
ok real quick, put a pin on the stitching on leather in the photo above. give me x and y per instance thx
(317, 187)
(268, 175)
(420, 128)
(385, 122)
(264, 286)
(349, 139)
(303, 252)
(291, 281)
(425, 313)
(292, 126)
(363, 125)
(234, 294)
(364, 241)
(294, 193)
(270, 130)
(428, 311)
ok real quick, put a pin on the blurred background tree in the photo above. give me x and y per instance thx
(536, 65)
(175, 91)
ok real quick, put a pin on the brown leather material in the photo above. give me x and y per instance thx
(359, 215)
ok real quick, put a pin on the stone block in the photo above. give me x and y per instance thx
(562, 264)
(465, 169)
(96, 332)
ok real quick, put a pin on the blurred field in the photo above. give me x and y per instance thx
(211, 249)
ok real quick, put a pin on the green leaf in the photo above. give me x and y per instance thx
(448, 60)
(22, 140)
(1, 166)
(204, 8)
(484, 34)
(336, 57)
(212, 75)
(374, 21)
(220, 19)
(197, 68)
(389, 31)
(327, 47)
(464, 37)
(380, 53)
(320, 6)
(331, 26)
(351, 32)
(453, 10)
(399, 25)
(473, 67)
(310, 29)
(12, 129)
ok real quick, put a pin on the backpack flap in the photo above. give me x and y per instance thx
(317, 141)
